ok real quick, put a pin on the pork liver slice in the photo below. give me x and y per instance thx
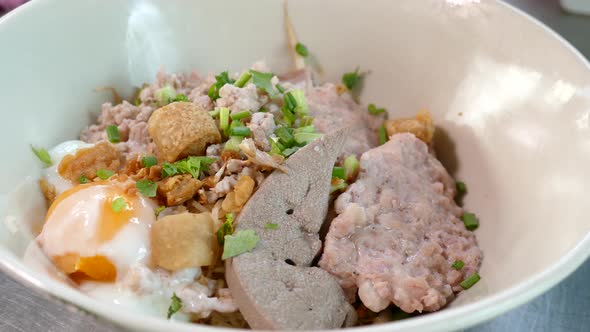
(274, 285)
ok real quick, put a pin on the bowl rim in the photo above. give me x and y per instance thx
(448, 319)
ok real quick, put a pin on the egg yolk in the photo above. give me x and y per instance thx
(82, 268)
(110, 221)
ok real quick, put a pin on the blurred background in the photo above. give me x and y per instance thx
(8, 5)
(565, 308)
(564, 16)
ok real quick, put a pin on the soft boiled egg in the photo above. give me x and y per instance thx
(96, 231)
(57, 153)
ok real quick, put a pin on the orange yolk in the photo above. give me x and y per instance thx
(97, 267)
(83, 268)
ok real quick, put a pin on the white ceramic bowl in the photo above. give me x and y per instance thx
(510, 98)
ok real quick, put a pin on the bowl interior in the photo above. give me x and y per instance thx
(510, 100)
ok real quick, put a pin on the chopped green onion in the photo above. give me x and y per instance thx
(164, 94)
(235, 123)
(461, 187)
(263, 110)
(179, 97)
(301, 50)
(340, 186)
(203, 162)
(175, 305)
(276, 148)
(305, 129)
(184, 167)
(224, 118)
(230, 217)
(470, 221)
(306, 121)
(149, 161)
(271, 226)
(304, 138)
(241, 115)
(339, 172)
(240, 131)
(227, 228)
(239, 243)
(212, 93)
(470, 281)
(43, 155)
(374, 110)
(288, 116)
(351, 164)
(285, 137)
(290, 101)
(168, 170)
(280, 88)
(243, 79)
(233, 144)
(221, 80)
(146, 187)
(137, 101)
(351, 79)
(113, 134)
(158, 210)
(300, 102)
(118, 204)
(214, 113)
(458, 265)
(194, 165)
(83, 179)
(264, 81)
(289, 151)
(104, 174)
(382, 135)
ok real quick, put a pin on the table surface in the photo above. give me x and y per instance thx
(564, 308)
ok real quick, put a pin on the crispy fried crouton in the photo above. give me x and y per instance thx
(179, 188)
(182, 241)
(89, 160)
(236, 199)
(421, 126)
(182, 129)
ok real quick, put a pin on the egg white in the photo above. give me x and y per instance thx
(144, 290)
